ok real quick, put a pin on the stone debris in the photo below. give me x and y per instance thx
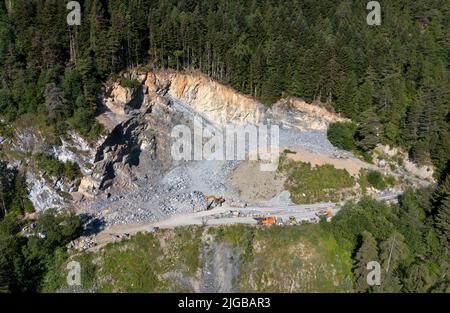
(133, 164)
(81, 244)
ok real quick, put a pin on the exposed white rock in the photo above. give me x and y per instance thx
(76, 150)
(41, 194)
(425, 172)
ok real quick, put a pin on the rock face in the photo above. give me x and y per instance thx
(221, 105)
(296, 113)
(42, 194)
(120, 151)
(217, 103)
(47, 192)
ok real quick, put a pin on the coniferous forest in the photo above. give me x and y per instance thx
(395, 75)
(393, 78)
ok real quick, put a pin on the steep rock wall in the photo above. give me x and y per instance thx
(218, 103)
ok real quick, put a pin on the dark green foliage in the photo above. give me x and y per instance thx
(369, 131)
(11, 257)
(442, 217)
(407, 242)
(342, 135)
(13, 192)
(57, 230)
(129, 83)
(398, 73)
(376, 180)
(55, 168)
(367, 252)
(6, 130)
(25, 260)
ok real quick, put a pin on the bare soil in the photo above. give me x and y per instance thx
(255, 185)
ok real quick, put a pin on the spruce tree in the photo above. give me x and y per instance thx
(393, 252)
(442, 218)
(367, 252)
(369, 131)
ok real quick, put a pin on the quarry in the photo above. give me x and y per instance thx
(130, 177)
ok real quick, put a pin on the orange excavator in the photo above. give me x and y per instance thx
(267, 220)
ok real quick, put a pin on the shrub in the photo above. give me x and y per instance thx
(309, 184)
(129, 83)
(341, 135)
(55, 168)
(376, 180)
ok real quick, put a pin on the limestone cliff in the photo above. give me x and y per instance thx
(218, 103)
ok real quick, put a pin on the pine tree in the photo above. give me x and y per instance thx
(369, 131)
(442, 217)
(367, 252)
(347, 92)
(393, 252)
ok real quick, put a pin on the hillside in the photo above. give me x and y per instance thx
(394, 76)
(325, 257)
(224, 145)
(232, 259)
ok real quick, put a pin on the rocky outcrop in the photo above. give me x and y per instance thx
(42, 194)
(296, 113)
(221, 105)
(120, 152)
(217, 103)
(385, 155)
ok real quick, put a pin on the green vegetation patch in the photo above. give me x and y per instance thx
(309, 184)
(143, 263)
(6, 130)
(375, 179)
(342, 135)
(31, 257)
(129, 83)
(55, 168)
(288, 259)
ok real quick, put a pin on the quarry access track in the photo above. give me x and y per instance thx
(226, 215)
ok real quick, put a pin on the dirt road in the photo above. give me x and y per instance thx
(225, 215)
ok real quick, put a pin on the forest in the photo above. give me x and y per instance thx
(393, 79)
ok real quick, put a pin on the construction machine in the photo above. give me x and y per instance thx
(268, 220)
(213, 201)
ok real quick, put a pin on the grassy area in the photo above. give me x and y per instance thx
(301, 258)
(143, 263)
(289, 259)
(375, 179)
(309, 184)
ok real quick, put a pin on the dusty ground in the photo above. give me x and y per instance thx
(253, 184)
(352, 165)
